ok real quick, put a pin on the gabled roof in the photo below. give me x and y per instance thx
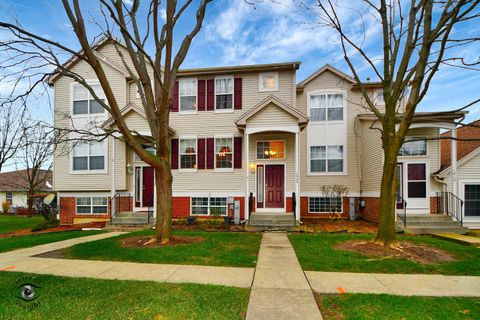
(238, 69)
(326, 67)
(131, 107)
(443, 173)
(423, 117)
(469, 131)
(17, 181)
(271, 99)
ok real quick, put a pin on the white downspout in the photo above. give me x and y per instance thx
(112, 191)
(297, 177)
(247, 163)
(453, 157)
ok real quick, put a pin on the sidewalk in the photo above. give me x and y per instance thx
(280, 289)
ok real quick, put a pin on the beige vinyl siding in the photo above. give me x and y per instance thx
(271, 116)
(19, 199)
(470, 170)
(136, 122)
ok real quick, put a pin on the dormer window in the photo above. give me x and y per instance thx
(188, 95)
(268, 81)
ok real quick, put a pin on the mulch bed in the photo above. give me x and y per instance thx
(27, 232)
(420, 253)
(206, 227)
(339, 226)
(140, 241)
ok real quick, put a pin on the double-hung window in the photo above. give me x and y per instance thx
(188, 153)
(92, 205)
(9, 198)
(224, 153)
(413, 148)
(89, 156)
(224, 93)
(326, 107)
(188, 95)
(203, 206)
(326, 159)
(83, 101)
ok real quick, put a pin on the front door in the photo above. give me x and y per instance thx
(148, 187)
(274, 186)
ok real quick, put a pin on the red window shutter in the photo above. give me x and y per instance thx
(210, 153)
(174, 154)
(210, 94)
(237, 90)
(175, 98)
(237, 152)
(201, 153)
(201, 95)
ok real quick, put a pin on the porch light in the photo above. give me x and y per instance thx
(129, 168)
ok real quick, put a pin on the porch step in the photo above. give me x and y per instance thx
(132, 219)
(269, 221)
(462, 239)
(430, 224)
(127, 227)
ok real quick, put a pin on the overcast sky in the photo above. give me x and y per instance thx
(236, 33)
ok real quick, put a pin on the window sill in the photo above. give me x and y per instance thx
(267, 90)
(327, 122)
(89, 171)
(187, 170)
(326, 174)
(187, 112)
(223, 170)
(223, 110)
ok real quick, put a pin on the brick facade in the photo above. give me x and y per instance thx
(68, 209)
(371, 209)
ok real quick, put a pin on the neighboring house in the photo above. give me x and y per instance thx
(465, 183)
(14, 186)
(248, 133)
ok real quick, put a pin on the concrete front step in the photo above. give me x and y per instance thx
(430, 224)
(433, 230)
(462, 239)
(428, 217)
(126, 227)
(249, 227)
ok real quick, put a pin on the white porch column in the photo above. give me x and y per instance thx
(112, 168)
(247, 164)
(453, 159)
(297, 176)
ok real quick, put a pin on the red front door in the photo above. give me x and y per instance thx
(148, 176)
(274, 186)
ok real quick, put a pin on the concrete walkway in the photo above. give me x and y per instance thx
(430, 285)
(280, 289)
(22, 261)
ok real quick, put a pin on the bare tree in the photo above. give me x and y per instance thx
(11, 131)
(417, 38)
(154, 74)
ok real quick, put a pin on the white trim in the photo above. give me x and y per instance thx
(105, 160)
(84, 194)
(441, 125)
(349, 194)
(209, 214)
(416, 138)
(325, 212)
(261, 88)
(215, 169)
(326, 173)
(180, 111)
(217, 193)
(215, 94)
(265, 208)
(180, 169)
(91, 213)
(461, 184)
(253, 130)
(417, 210)
(247, 168)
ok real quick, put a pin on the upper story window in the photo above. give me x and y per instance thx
(274, 149)
(224, 93)
(224, 153)
(89, 156)
(268, 81)
(188, 153)
(188, 94)
(326, 107)
(147, 147)
(378, 97)
(413, 148)
(326, 159)
(84, 102)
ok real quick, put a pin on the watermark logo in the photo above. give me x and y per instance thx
(27, 292)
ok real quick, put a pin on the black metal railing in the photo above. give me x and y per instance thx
(250, 206)
(294, 208)
(401, 210)
(451, 205)
(150, 205)
(120, 202)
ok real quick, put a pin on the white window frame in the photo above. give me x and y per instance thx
(180, 111)
(261, 76)
(92, 82)
(376, 94)
(327, 92)
(326, 173)
(418, 139)
(215, 155)
(7, 198)
(215, 95)
(322, 212)
(271, 159)
(209, 206)
(100, 171)
(180, 169)
(91, 206)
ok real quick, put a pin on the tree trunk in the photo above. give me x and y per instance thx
(163, 184)
(386, 225)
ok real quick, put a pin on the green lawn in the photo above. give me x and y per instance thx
(12, 243)
(10, 223)
(315, 252)
(79, 298)
(218, 249)
(376, 307)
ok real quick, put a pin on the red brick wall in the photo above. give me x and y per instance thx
(123, 203)
(67, 210)
(289, 204)
(433, 205)
(305, 214)
(371, 209)
(181, 207)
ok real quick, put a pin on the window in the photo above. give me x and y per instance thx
(378, 97)
(326, 159)
(147, 147)
(417, 183)
(209, 206)
(413, 148)
(83, 101)
(268, 81)
(188, 95)
(472, 200)
(224, 93)
(271, 149)
(92, 205)
(224, 153)
(326, 107)
(188, 153)
(89, 155)
(9, 198)
(324, 204)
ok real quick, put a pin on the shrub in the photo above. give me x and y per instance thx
(46, 224)
(5, 207)
(21, 211)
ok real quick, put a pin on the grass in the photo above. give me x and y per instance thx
(79, 298)
(218, 249)
(12, 243)
(376, 307)
(315, 252)
(10, 223)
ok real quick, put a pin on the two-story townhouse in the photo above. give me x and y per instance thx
(248, 133)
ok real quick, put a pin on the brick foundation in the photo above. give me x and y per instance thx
(371, 209)
(311, 217)
(433, 205)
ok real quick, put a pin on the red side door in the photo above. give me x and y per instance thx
(148, 185)
(274, 186)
